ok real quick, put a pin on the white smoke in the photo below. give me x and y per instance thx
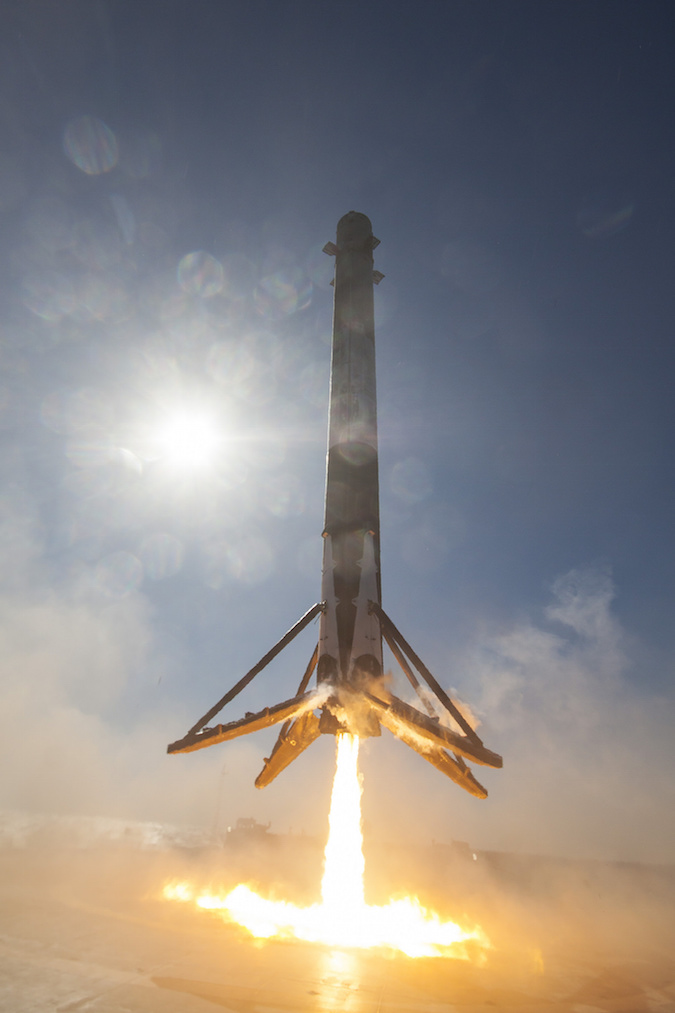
(588, 747)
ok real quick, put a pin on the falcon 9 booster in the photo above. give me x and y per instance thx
(350, 693)
(350, 641)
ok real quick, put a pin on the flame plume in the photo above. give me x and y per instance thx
(343, 918)
(344, 864)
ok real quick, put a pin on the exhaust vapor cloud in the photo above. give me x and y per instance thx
(588, 751)
(89, 699)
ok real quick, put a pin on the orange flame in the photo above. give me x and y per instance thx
(343, 918)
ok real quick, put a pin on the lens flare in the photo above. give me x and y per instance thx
(90, 145)
(199, 273)
(343, 918)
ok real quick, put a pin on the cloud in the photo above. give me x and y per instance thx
(588, 748)
(587, 745)
(67, 665)
(88, 702)
(84, 713)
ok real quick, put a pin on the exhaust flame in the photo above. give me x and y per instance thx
(343, 918)
(344, 865)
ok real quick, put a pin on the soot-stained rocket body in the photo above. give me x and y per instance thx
(350, 641)
(350, 693)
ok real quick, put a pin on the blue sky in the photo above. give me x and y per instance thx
(169, 173)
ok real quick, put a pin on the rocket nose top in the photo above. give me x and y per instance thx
(354, 228)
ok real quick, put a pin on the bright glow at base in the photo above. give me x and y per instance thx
(188, 440)
(343, 918)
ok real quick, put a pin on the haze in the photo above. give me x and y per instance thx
(169, 174)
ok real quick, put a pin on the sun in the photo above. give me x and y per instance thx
(188, 440)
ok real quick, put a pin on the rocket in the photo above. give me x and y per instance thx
(350, 642)
(351, 693)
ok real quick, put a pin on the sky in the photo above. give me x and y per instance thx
(169, 174)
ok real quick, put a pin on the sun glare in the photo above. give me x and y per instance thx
(188, 440)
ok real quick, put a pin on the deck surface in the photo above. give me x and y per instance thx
(88, 931)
